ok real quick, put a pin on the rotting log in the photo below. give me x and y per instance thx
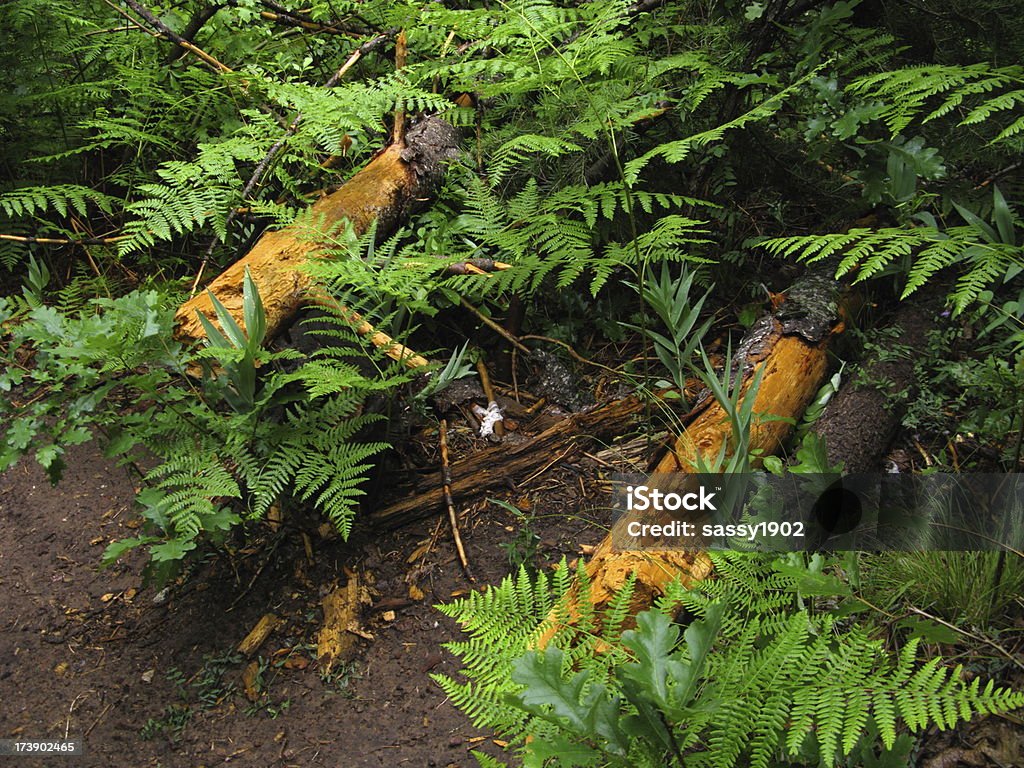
(790, 346)
(861, 420)
(506, 462)
(393, 184)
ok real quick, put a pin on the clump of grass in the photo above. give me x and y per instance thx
(980, 589)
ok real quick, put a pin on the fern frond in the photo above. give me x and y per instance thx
(188, 486)
(772, 679)
(60, 198)
(905, 92)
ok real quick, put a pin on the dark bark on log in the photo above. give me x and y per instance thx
(396, 182)
(861, 420)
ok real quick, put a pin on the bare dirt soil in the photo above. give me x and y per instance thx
(90, 654)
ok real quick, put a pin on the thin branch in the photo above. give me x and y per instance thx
(446, 479)
(63, 240)
(195, 24)
(979, 638)
(370, 45)
(496, 327)
(576, 355)
(135, 24)
(174, 37)
(290, 20)
(999, 174)
(476, 267)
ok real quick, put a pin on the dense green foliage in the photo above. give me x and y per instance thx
(112, 367)
(617, 155)
(771, 672)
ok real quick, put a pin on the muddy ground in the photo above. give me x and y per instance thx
(90, 654)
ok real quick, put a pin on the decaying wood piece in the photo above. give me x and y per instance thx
(342, 621)
(258, 634)
(507, 462)
(790, 346)
(386, 191)
(861, 419)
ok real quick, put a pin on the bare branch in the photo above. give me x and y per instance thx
(174, 37)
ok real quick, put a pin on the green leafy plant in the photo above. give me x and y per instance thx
(727, 387)
(203, 691)
(522, 548)
(670, 300)
(227, 449)
(762, 676)
(238, 351)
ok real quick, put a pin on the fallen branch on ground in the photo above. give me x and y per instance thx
(504, 463)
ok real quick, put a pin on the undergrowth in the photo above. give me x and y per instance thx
(771, 670)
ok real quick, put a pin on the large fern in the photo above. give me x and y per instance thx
(920, 252)
(759, 679)
(930, 92)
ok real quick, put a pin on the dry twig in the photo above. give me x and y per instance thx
(446, 476)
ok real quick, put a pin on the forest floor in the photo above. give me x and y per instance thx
(156, 680)
(89, 654)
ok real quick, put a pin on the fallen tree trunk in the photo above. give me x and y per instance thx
(790, 346)
(386, 191)
(861, 420)
(502, 463)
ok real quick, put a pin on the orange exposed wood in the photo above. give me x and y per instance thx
(276, 259)
(385, 191)
(793, 371)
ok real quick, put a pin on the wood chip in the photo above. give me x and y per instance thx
(259, 633)
(274, 517)
(422, 549)
(342, 608)
(250, 681)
